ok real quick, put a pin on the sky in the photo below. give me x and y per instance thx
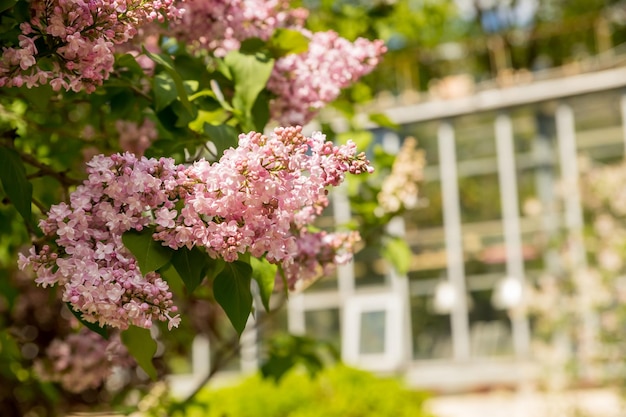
(500, 11)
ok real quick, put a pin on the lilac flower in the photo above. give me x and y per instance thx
(259, 198)
(81, 361)
(305, 83)
(77, 39)
(219, 26)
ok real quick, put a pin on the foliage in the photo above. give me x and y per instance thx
(336, 391)
(286, 352)
(131, 178)
(388, 193)
(401, 24)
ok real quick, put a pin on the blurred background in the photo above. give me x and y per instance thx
(490, 279)
(510, 297)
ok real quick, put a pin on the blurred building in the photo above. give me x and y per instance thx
(500, 188)
(500, 183)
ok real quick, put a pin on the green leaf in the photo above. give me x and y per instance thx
(287, 41)
(362, 138)
(250, 74)
(222, 136)
(9, 349)
(231, 289)
(122, 104)
(383, 120)
(150, 254)
(142, 347)
(8, 292)
(219, 96)
(94, 327)
(283, 280)
(399, 254)
(264, 273)
(129, 63)
(174, 280)
(38, 97)
(164, 91)
(191, 68)
(215, 267)
(360, 92)
(277, 366)
(168, 64)
(6, 4)
(191, 86)
(261, 111)
(252, 45)
(212, 117)
(184, 116)
(161, 59)
(202, 93)
(15, 184)
(192, 266)
(286, 350)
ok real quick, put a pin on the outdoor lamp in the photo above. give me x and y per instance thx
(445, 297)
(507, 293)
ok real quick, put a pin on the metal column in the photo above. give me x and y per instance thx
(454, 244)
(507, 175)
(574, 222)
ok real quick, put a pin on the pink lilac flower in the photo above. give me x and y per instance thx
(259, 198)
(305, 83)
(81, 361)
(219, 26)
(136, 138)
(99, 276)
(318, 254)
(69, 43)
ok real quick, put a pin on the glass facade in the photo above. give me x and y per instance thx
(508, 164)
(493, 203)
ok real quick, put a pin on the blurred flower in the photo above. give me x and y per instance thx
(400, 188)
(81, 361)
(136, 138)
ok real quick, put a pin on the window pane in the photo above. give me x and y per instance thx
(432, 335)
(490, 329)
(372, 332)
(369, 267)
(323, 325)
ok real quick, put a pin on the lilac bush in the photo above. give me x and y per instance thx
(134, 195)
(258, 199)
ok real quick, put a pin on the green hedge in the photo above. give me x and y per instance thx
(335, 392)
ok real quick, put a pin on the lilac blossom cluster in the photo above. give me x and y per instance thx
(304, 83)
(82, 360)
(135, 137)
(318, 254)
(69, 43)
(221, 25)
(99, 276)
(400, 189)
(261, 195)
(259, 198)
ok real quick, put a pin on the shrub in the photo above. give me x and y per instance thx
(338, 391)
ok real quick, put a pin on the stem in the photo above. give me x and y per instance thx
(43, 209)
(228, 351)
(45, 169)
(210, 152)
